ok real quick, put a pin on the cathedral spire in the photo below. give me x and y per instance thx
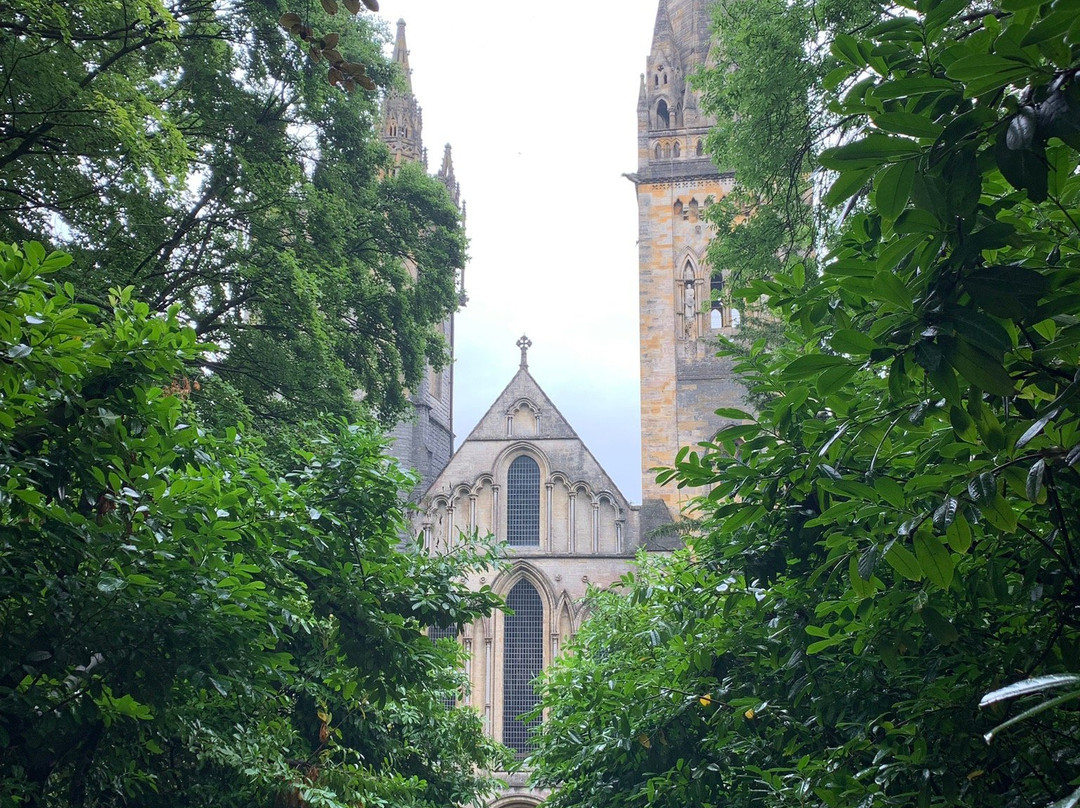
(402, 116)
(401, 55)
(447, 178)
(662, 31)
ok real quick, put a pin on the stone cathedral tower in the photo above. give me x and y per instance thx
(682, 307)
(424, 441)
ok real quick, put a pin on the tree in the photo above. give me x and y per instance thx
(190, 150)
(181, 626)
(894, 532)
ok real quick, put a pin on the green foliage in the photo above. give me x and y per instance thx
(187, 148)
(181, 626)
(895, 533)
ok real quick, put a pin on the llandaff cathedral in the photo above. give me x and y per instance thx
(523, 474)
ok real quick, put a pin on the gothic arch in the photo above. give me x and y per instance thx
(663, 115)
(507, 455)
(515, 801)
(518, 425)
(690, 290)
(507, 580)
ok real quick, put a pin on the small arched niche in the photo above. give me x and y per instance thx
(663, 116)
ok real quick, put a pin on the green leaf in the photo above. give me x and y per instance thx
(1025, 169)
(110, 584)
(959, 535)
(871, 151)
(1035, 489)
(907, 123)
(832, 379)
(911, 87)
(890, 490)
(893, 189)
(963, 425)
(976, 328)
(982, 488)
(1036, 684)
(889, 287)
(934, 559)
(1006, 290)
(812, 364)
(732, 412)
(845, 46)
(902, 560)
(1000, 514)
(978, 367)
(942, 629)
(863, 587)
(1049, 704)
(847, 184)
(945, 514)
(849, 341)
(983, 72)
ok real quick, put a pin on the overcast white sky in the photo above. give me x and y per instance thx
(539, 102)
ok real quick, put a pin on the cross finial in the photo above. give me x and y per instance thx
(524, 343)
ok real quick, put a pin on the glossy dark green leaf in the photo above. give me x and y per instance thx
(813, 364)
(1035, 478)
(893, 188)
(982, 488)
(1006, 291)
(1025, 169)
(934, 559)
(870, 151)
(978, 367)
(847, 184)
(942, 629)
(907, 123)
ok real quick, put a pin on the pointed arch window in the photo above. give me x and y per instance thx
(658, 151)
(716, 304)
(523, 659)
(700, 148)
(676, 148)
(663, 116)
(523, 503)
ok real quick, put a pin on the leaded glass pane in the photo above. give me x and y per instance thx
(523, 658)
(523, 503)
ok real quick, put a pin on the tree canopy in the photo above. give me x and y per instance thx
(204, 595)
(891, 535)
(189, 149)
(181, 626)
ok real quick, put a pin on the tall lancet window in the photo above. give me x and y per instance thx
(716, 304)
(523, 658)
(523, 503)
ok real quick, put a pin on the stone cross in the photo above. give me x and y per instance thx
(524, 343)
